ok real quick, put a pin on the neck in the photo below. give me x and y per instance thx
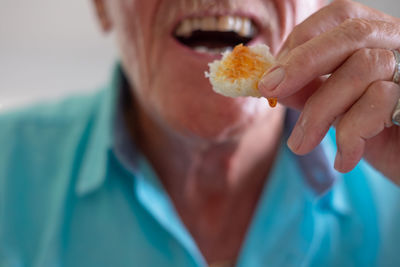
(209, 166)
(212, 182)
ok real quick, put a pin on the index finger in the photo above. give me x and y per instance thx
(328, 18)
(325, 53)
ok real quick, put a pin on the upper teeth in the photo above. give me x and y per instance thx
(242, 26)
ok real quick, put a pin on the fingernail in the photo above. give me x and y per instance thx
(338, 161)
(296, 138)
(271, 80)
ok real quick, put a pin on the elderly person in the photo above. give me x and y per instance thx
(158, 170)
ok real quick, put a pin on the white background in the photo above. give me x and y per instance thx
(50, 48)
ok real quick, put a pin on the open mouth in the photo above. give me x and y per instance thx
(215, 34)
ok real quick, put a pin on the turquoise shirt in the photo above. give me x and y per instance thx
(70, 195)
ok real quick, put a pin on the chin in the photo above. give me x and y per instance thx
(185, 102)
(213, 118)
(219, 126)
(176, 92)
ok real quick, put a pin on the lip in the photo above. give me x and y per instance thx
(191, 52)
(210, 56)
(254, 18)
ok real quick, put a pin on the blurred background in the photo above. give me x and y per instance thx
(50, 48)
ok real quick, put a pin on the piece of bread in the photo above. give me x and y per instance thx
(239, 71)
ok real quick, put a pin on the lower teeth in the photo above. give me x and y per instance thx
(204, 49)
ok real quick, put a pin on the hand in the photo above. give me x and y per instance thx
(352, 43)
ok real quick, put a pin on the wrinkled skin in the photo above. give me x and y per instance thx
(213, 153)
(175, 95)
(358, 98)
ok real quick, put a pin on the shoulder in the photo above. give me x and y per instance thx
(45, 121)
(50, 113)
(41, 144)
(43, 133)
(41, 140)
(41, 150)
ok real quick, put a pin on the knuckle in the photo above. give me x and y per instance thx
(380, 98)
(364, 57)
(376, 93)
(300, 34)
(304, 57)
(381, 92)
(296, 59)
(373, 62)
(361, 66)
(356, 29)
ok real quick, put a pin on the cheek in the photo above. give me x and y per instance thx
(182, 98)
(172, 87)
(131, 20)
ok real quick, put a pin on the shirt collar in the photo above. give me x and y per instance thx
(328, 190)
(98, 137)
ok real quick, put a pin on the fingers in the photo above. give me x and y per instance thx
(298, 100)
(323, 54)
(339, 93)
(328, 18)
(366, 119)
(351, 43)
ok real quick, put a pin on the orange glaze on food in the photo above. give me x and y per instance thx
(242, 63)
(272, 102)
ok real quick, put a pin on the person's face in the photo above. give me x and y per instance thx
(165, 59)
